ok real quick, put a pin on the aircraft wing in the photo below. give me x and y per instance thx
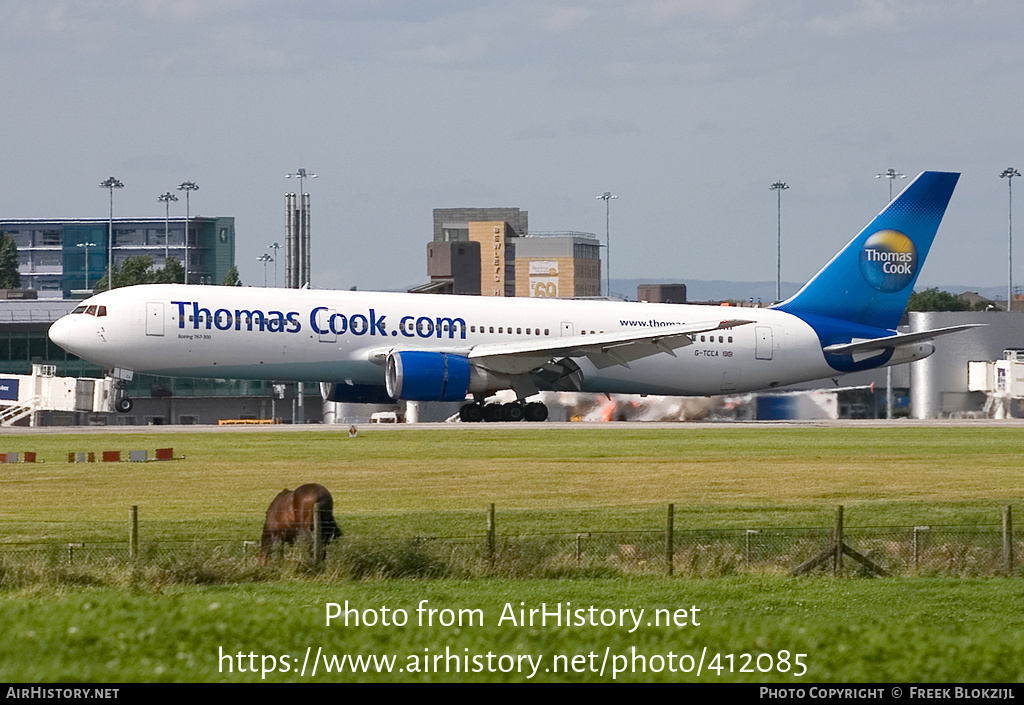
(602, 349)
(894, 341)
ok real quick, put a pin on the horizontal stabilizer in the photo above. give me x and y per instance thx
(894, 341)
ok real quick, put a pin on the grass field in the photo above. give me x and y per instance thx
(439, 483)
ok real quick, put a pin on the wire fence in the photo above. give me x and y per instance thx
(966, 551)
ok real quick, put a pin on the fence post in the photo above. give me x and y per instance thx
(133, 532)
(490, 531)
(1008, 540)
(670, 538)
(918, 533)
(317, 543)
(750, 532)
(838, 560)
(71, 550)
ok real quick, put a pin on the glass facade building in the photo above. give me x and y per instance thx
(64, 258)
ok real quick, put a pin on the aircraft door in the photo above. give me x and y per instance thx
(567, 328)
(763, 343)
(323, 323)
(154, 318)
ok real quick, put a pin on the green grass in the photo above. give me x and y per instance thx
(913, 630)
(66, 623)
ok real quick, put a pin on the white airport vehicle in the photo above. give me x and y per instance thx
(378, 347)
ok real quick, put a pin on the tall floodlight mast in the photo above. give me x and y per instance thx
(111, 184)
(275, 247)
(1008, 174)
(890, 174)
(188, 187)
(166, 200)
(778, 187)
(607, 196)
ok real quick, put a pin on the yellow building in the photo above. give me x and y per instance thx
(558, 265)
(511, 261)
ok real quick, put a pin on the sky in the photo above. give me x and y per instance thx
(687, 110)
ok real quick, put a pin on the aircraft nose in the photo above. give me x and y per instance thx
(61, 332)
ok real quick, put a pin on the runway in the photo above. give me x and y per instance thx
(520, 426)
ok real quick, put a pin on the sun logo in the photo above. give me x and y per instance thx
(888, 261)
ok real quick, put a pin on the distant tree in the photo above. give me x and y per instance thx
(139, 270)
(935, 300)
(172, 273)
(231, 278)
(10, 278)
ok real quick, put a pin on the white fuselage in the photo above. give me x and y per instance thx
(345, 336)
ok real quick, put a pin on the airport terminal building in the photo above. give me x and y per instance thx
(63, 258)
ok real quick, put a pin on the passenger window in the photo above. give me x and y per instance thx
(730, 338)
(519, 331)
(492, 329)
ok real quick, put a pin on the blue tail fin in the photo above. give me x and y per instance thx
(870, 281)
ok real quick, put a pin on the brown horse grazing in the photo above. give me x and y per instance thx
(291, 514)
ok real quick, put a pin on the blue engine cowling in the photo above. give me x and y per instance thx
(418, 375)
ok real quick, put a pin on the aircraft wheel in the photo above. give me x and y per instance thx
(513, 412)
(471, 413)
(124, 405)
(536, 411)
(492, 412)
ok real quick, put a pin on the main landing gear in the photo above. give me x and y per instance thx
(513, 411)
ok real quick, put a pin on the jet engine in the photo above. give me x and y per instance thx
(427, 376)
(420, 375)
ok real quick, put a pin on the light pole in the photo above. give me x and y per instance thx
(607, 197)
(779, 187)
(264, 258)
(890, 174)
(1008, 174)
(301, 175)
(111, 184)
(166, 200)
(87, 245)
(275, 247)
(188, 187)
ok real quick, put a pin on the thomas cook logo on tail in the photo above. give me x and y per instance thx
(888, 261)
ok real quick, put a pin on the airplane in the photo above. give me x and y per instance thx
(380, 347)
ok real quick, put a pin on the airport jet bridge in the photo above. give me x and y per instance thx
(1002, 380)
(22, 396)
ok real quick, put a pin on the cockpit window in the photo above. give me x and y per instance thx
(91, 310)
